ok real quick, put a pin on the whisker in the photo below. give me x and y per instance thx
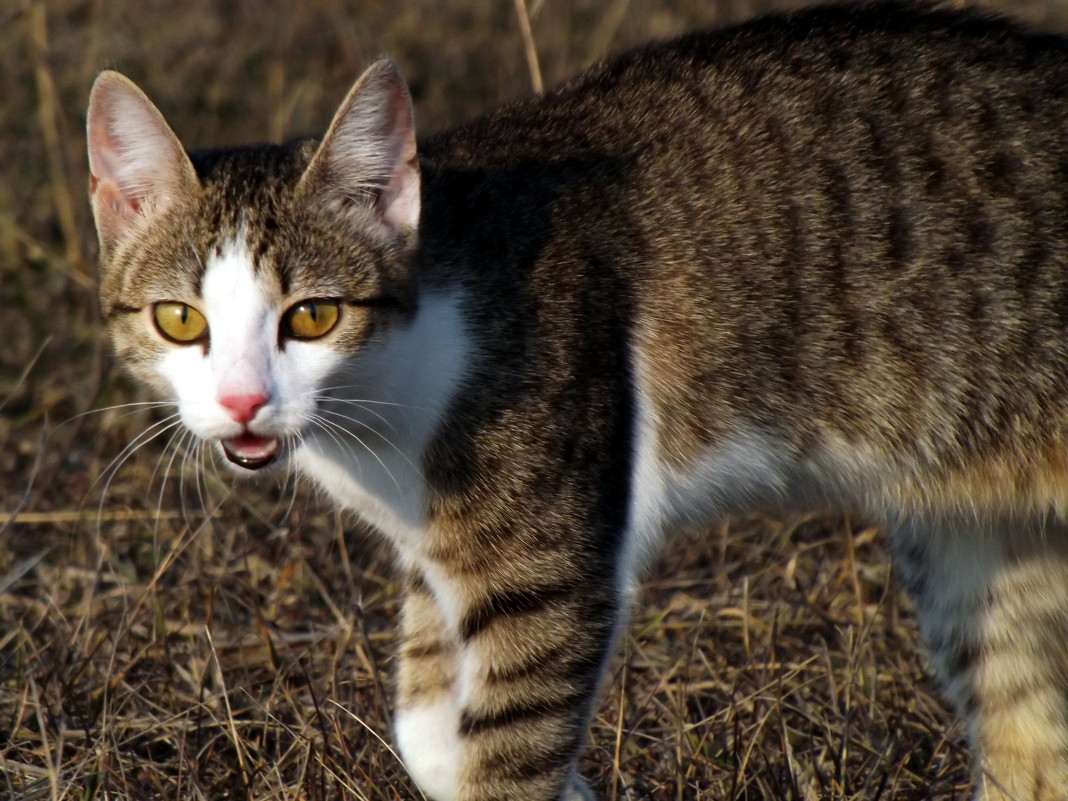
(291, 476)
(208, 450)
(182, 492)
(337, 440)
(170, 463)
(174, 446)
(101, 410)
(203, 491)
(365, 402)
(320, 424)
(324, 422)
(399, 451)
(359, 405)
(194, 466)
(321, 397)
(142, 439)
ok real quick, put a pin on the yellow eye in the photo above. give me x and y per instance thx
(310, 319)
(179, 322)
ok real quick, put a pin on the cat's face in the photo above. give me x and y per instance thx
(249, 285)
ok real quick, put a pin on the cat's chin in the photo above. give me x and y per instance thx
(251, 452)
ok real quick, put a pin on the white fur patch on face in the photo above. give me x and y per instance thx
(429, 743)
(356, 423)
(243, 308)
(243, 322)
(242, 331)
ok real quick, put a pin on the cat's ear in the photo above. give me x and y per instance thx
(137, 166)
(368, 154)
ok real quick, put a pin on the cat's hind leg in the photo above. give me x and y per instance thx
(993, 607)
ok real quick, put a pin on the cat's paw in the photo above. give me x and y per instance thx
(578, 790)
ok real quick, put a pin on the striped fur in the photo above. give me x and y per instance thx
(816, 261)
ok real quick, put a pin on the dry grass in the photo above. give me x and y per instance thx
(190, 639)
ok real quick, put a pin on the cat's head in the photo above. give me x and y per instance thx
(244, 283)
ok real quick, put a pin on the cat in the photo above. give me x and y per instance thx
(819, 260)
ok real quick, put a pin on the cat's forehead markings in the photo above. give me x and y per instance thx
(230, 274)
(229, 268)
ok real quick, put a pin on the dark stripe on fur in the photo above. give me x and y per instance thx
(512, 602)
(433, 649)
(562, 659)
(554, 757)
(417, 584)
(472, 723)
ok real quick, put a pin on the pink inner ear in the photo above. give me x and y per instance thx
(108, 186)
(114, 208)
(400, 202)
(110, 193)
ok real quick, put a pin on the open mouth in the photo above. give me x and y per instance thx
(249, 451)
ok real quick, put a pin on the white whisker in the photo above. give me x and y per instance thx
(400, 451)
(322, 422)
(142, 439)
(174, 446)
(322, 397)
(359, 405)
(140, 405)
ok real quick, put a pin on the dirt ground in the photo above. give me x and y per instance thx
(166, 633)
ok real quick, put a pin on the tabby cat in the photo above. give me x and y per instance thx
(819, 260)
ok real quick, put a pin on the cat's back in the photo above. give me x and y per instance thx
(844, 225)
(858, 58)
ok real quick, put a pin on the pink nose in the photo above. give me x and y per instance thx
(242, 408)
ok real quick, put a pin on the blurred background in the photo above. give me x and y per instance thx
(183, 638)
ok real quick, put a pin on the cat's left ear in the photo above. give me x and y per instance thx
(369, 152)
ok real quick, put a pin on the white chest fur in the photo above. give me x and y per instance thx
(378, 414)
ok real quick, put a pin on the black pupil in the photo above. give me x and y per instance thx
(185, 314)
(311, 309)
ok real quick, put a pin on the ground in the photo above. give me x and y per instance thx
(186, 638)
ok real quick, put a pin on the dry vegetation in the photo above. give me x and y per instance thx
(183, 638)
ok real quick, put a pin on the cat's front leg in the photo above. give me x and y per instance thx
(426, 720)
(498, 675)
(531, 659)
(496, 707)
(993, 606)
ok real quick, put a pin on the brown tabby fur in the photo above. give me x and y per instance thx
(840, 233)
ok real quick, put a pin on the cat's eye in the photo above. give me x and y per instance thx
(310, 319)
(180, 322)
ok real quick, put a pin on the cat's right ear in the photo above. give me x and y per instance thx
(137, 166)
